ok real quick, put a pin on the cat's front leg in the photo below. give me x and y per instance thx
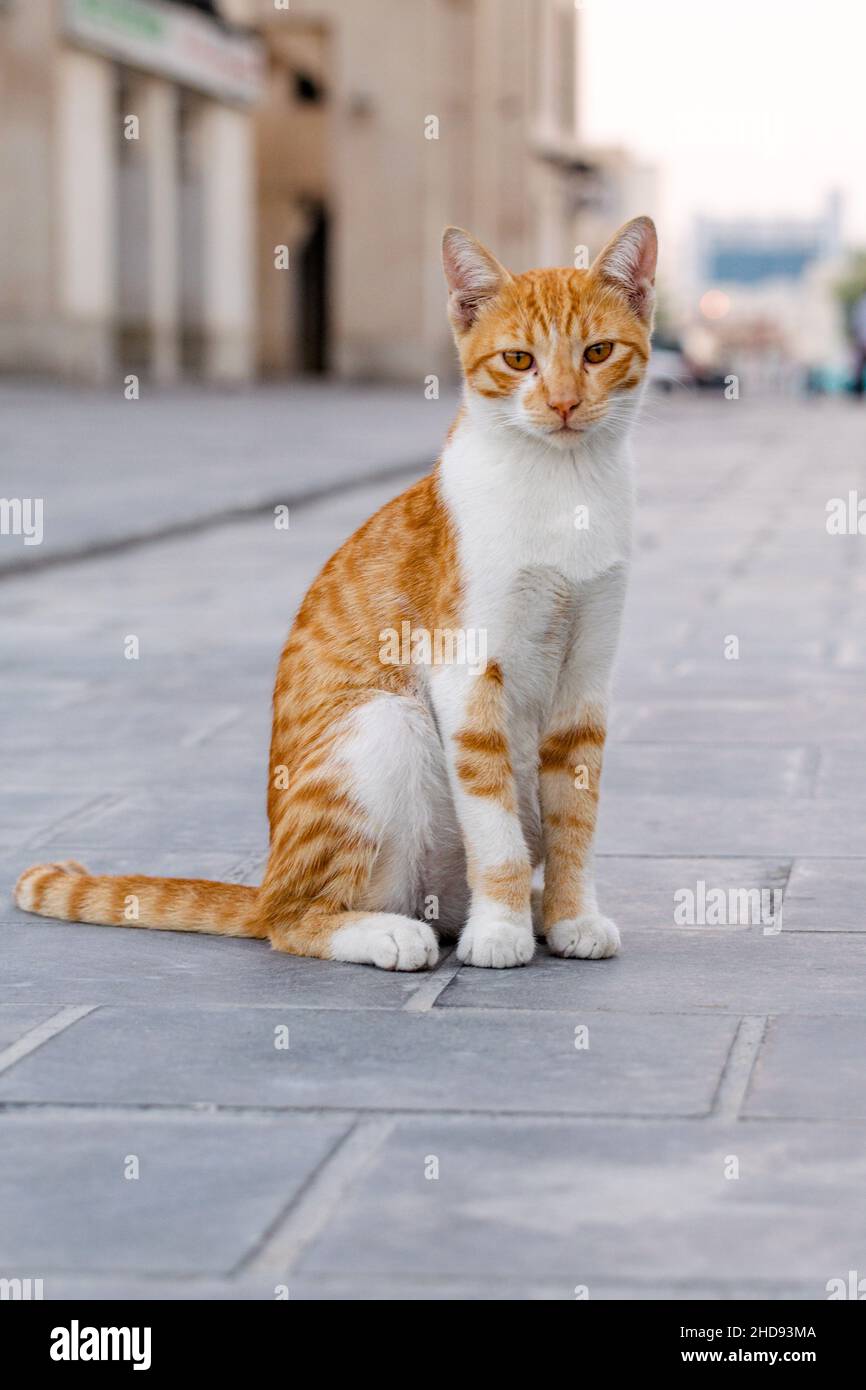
(570, 764)
(470, 709)
(571, 759)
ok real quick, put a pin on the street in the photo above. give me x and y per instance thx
(187, 1116)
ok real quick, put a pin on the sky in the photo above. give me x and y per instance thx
(746, 107)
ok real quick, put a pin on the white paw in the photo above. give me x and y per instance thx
(591, 937)
(496, 945)
(387, 940)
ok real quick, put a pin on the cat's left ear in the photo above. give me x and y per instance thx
(472, 274)
(629, 263)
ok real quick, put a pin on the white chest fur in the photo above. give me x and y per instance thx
(521, 508)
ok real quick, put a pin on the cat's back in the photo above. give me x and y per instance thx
(400, 564)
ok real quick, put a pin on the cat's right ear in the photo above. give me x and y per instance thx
(472, 274)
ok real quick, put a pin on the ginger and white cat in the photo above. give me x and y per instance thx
(394, 787)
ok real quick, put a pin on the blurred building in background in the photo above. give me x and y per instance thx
(383, 122)
(127, 189)
(754, 252)
(761, 296)
(221, 188)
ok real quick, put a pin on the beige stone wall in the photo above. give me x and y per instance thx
(27, 232)
(92, 275)
(492, 80)
(389, 67)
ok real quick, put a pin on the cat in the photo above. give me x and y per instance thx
(403, 793)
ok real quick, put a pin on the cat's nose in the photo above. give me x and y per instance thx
(564, 406)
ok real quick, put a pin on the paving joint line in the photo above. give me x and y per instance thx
(43, 1033)
(156, 1110)
(196, 525)
(300, 1223)
(435, 984)
(739, 1067)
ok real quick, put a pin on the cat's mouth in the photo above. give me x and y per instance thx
(573, 428)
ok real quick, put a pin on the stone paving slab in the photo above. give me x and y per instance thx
(18, 1019)
(444, 1060)
(666, 769)
(826, 895)
(729, 970)
(811, 1068)
(208, 1188)
(69, 963)
(29, 813)
(702, 824)
(224, 817)
(416, 1287)
(842, 773)
(610, 1203)
(793, 718)
(639, 891)
(169, 457)
(737, 773)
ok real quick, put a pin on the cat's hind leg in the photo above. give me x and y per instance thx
(346, 876)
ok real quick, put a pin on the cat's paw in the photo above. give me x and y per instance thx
(591, 937)
(387, 940)
(495, 945)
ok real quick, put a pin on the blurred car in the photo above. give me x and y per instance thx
(669, 368)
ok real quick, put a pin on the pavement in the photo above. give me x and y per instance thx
(194, 1117)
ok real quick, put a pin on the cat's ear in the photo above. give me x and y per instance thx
(472, 275)
(629, 263)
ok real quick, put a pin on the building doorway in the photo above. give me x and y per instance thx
(311, 320)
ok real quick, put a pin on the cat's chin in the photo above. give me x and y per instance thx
(565, 440)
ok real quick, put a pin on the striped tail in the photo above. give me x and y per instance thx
(69, 892)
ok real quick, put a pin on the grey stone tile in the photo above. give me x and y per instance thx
(706, 969)
(234, 452)
(18, 1019)
(230, 819)
(639, 891)
(29, 814)
(666, 769)
(604, 1205)
(135, 1287)
(826, 895)
(442, 1060)
(811, 1068)
(835, 717)
(414, 1287)
(110, 738)
(73, 963)
(208, 1189)
(697, 824)
(842, 773)
(512, 1287)
(159, 766)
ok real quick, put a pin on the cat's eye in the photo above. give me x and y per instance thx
(598, 352)
(520, 361)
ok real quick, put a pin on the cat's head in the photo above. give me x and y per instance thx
(556, 354)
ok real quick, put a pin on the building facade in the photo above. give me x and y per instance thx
(383, 122)
(224, 188)
(127, 190)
